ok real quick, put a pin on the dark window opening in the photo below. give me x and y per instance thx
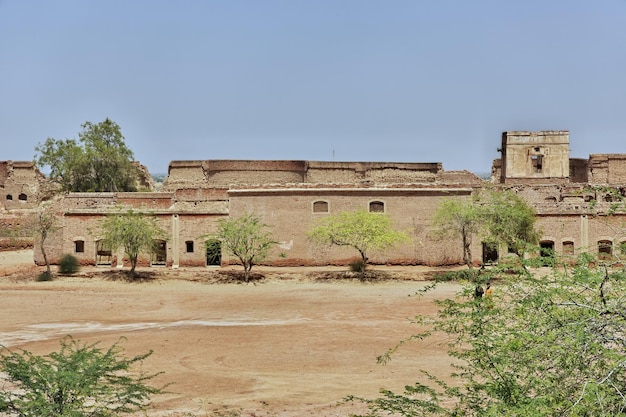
(377, 207)
(22, 197)
(79, 246)
(490, 253)
(320, 207)
(213, 252)
(9, 197)
(605, 250)
(189, 246)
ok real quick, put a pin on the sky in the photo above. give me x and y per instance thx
(322, 80)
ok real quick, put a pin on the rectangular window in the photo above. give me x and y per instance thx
(189, 246)
(79, 246)
(537, 162)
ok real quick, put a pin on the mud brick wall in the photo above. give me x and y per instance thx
(290, 214)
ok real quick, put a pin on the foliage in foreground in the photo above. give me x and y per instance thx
(247, 238)
(78, 380)
(551, 345)
(361, 230)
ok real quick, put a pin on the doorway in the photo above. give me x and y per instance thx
(213, 252)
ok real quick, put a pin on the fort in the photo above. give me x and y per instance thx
(572, 198)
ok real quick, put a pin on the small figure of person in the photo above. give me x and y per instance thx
(489, 290)
(478, 292)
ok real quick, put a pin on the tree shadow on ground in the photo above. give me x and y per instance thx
(367, 276)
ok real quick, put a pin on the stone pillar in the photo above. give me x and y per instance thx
(584, 233)
(175, 241)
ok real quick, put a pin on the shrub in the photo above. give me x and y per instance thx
(357, 266)
(69, 264)
(44, 276)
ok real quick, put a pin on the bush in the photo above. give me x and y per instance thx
(44, 276)
(69, 264)
(471, 275)
(357, 266)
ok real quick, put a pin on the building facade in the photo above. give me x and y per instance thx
(572, 198)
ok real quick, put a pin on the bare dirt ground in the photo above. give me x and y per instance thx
(292, 344)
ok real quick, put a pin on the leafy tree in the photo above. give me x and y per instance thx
(133, 231)
(456, 217)
(500, 217)
(79, 380)
(507, 219)
(552, 345)
(99, 161)
(361, 230)
(247, 239)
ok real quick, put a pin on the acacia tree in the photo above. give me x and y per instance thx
(134, 232)
(507, 219)
(361, 230)
(539, 346)
(500, 217)
(455, 217)
(247, 238)
(98, 161)
(79, 380)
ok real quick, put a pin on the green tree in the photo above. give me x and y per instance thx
(499, 217)
(456, 217)
(361, 230)
(79, 380)
(99, 161)
(247, 238)
(134, 232)
(552, 345)
(508, 220)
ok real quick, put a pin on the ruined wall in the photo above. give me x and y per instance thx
(376, 172)
(535, 155)
(607, 169)
(21, 185)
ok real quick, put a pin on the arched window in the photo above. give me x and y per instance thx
(320, 207)
(79, 246)
(22, 197)
(377, 207)
(568, 247)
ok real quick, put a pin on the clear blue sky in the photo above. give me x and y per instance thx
(349, 80)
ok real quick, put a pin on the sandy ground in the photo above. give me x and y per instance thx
(287, 346)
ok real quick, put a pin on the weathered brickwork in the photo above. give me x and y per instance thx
(572, 197)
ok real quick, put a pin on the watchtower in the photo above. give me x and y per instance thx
(535, 157)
